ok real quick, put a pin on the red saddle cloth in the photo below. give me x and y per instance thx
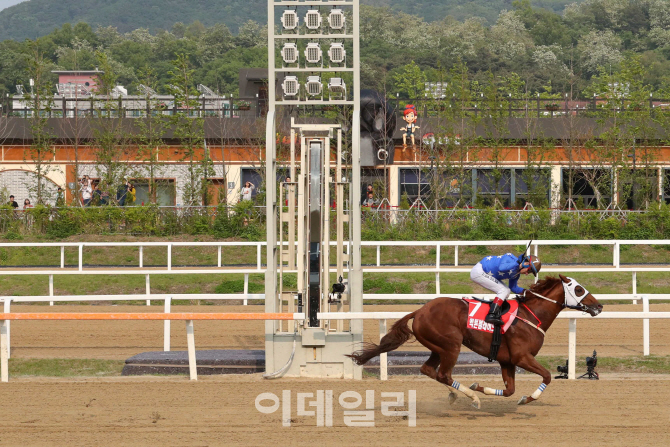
(477, 312)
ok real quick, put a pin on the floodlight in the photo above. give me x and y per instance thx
(289, 53)
(313, 53)
(313, 85)
(336, 86)
(289, 19)
(336, 19)
(337, 53)
(291, 86)
(313, 19)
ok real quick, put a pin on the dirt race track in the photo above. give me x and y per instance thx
(119, 340)
(214, 411)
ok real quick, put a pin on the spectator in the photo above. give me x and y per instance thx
(96, 194)
(86, 193)
(12, 202)
(27, 204)
(247, 190)
(121, 193)
(104, 198)
(60, 197)
(369, 200)
(130, 197)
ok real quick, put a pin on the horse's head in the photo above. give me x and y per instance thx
(577, 297)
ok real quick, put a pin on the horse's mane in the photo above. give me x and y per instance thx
(544, 285)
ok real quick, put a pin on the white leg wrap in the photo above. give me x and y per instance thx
(492, 391)
(538, 392)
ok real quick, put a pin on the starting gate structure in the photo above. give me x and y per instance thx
(308, 65)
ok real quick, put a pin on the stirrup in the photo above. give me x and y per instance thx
(494, 318)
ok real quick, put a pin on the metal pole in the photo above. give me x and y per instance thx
(383, 358)
(166, 325)
(6, 309)
(190, 341)
(645, 325)
(51, 288)
(572, 348)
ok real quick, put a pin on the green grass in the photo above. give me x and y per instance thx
(639, 364)
(65, 367)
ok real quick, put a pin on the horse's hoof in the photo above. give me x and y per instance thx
(523, 400)
(476, 403)
(452, 397)
(474, 386)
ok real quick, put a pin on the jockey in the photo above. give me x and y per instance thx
(489, 272)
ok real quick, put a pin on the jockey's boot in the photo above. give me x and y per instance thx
(495, 311)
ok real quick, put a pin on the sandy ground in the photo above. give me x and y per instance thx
(122, 339)
(623, 410)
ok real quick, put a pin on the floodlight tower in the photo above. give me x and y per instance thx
(315, 53)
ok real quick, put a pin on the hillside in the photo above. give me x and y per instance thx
(35, 18)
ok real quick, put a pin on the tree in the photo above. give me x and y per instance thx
(150, 133)
(410, 81)
(188, 127)
(111, 138)
(41, 151)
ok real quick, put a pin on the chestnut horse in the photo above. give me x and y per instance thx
(440, 325)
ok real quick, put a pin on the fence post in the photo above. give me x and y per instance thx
(437, 256)
(383, 358)
(258, 257)
(62, 256)
(166, 325)
(634, 287)
(218, 262)
(148, 288)
(572, 348)
(645, 325)
(190, 341)
(51, 288)
(616, 255)
(6, 309)
(141, 256)
(169, 257)
(456, 256)
(4, 351)
(246, 287)
(81, 251)
(379, 255)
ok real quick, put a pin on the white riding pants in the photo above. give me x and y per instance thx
(478, 275)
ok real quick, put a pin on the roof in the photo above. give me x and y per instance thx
(77, 72)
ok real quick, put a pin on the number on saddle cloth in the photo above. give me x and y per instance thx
(477, 311)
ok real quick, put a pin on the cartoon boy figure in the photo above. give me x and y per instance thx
(410, 117)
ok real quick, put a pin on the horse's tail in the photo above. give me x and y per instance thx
(396, 337)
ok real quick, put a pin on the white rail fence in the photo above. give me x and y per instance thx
(438, 269)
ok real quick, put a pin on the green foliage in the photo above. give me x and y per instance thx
(237, 223)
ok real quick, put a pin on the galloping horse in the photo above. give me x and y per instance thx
(441, 326)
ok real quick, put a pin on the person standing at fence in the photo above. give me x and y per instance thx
(60, 197)
(491, 270)
(247, 191)
(12, 202)
(132, 194)
(86, 193)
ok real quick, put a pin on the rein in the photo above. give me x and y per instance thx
(537, 326)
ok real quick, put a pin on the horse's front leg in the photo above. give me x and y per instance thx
(530, 364)
(508, 374)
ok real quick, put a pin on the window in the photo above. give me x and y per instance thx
(532, 185)
(494, 185)
(592, 188)
(414, 183)
(166, 194)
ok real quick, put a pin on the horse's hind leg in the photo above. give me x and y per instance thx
(430, 369)
(448, 359)
(508, 375)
